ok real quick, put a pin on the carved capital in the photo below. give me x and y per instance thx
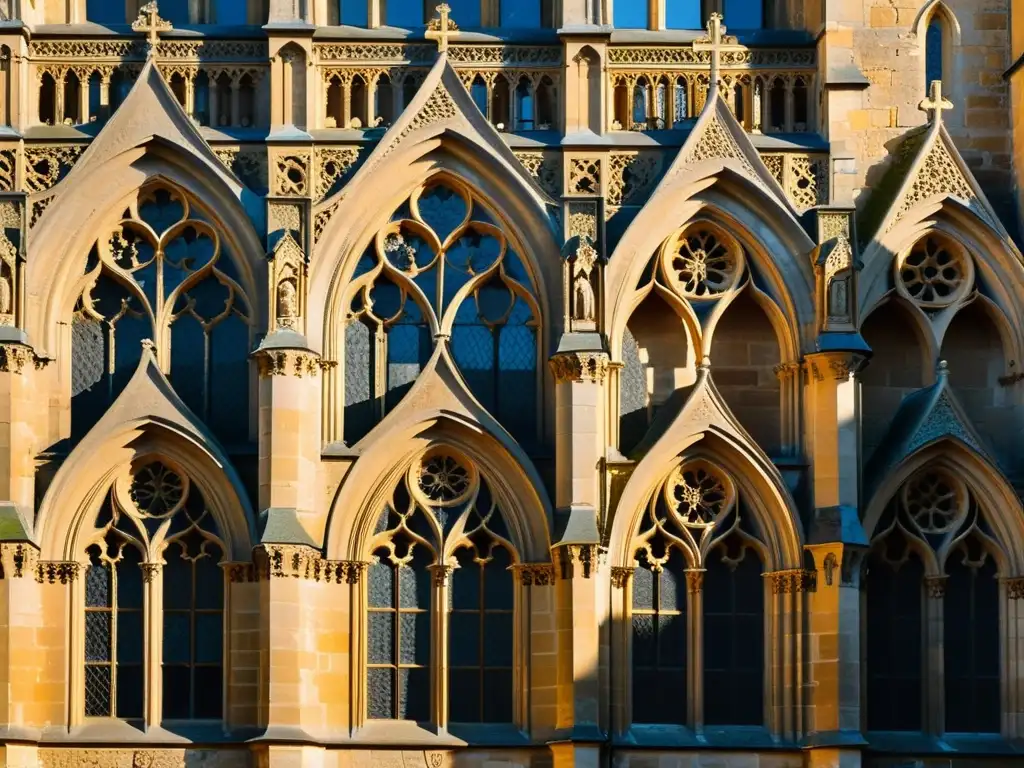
(935, 586)
(793, 581)
(536, 574)
(1015, 588)
(290, 362)
(17, 559)
(694, 580)
(578, 558)
(240, 573)
(15, 357)
(580, 366)
(150, 571)
(785, 371)
(621, 577)
(57, 571)
(440, 574)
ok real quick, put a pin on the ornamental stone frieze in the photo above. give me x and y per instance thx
(296, 561)
(580, 366)
(14, 358)
(535, 574)
(290, 362)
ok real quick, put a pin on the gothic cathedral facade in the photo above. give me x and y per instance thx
(511, 384)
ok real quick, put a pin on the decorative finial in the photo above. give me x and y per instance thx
(717, 42)
(935, 103)
(442, 28)
(942, 369)
(705, 362)
(148, 345)
(149, 21)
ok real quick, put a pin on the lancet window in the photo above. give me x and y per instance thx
(441, 556)
(445, 267)
(160, 272)
(933, 582)
(153, 577)
(696, 605)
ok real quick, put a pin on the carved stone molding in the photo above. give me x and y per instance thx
(935, 586)
(536, 574)
(793, 581)
(241, 573)
(150, 571)
(290, 362)
(302, 562)
(57, 571)
(694, 580)
(621, 576)
(17, 560)
(423, 54)
(1015, 588)
(586, 556)
(580, 366)
(784, 371)
(14, 358)
(439, 574)
(687, 55)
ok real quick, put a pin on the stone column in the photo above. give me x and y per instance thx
(582, 582)
(153, 586)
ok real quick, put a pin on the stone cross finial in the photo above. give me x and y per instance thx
(442, 28)
(935, 103)
(149, 21)
(717, 42)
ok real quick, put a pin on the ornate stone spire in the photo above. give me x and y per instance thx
(718, 43)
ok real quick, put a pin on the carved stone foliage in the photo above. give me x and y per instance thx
(792, 581)
(546, 169)
(804, 178)
(285, 217)
(16, 358)
(249, 164)
(334, 165)
(17, 560)
(121, 49)
(536, 574)
(632, 176)
(274, 561)
(581, 559)
(580, 366)
(290, 362)
(45, 166)
(937, 175)
(687, 56)
(291, 174)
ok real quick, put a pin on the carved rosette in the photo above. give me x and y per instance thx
(536, 574)
(290, 362)
(580, 366)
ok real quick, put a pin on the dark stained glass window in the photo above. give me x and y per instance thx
(935, 40)
(660, 641)
(733, 636)
(971, 649)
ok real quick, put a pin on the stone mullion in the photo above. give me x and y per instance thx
(695, 649)
(1012, 655)
(236, 109)
(789, 104)
(346, 101)
(58, 97)
(152, 576)
(105, 76)
(439, 630)
(934, 687)
(370, 94)
(213, 97)
(190, 92)
(622, 649)
(83, 76)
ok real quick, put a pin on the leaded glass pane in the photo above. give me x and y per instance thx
(359, 412)
(633, 419)
(414, 687)
(497, 697)
(209, 705)
(498, 632)
(97, 691)
(129, 691)
(97, 636)
(209, 638)
(177, 692)
(129, 637)
(381, 646)
(414, 634)
(380, 693)
(97, 585)
(465, 635)
(464, 695)
(381, 585)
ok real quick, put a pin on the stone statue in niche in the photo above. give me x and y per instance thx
(287, 303)
(584, 301)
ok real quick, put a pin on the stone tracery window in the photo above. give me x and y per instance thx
(935, 273)
(445, 264)
(440, 567)
(932, 582)
(697, 593)
(154, 535)
(162, 273)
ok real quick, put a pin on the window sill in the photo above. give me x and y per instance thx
(906, 742)
(713, 737)
(101, 729)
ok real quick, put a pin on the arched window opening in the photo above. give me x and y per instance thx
(641, 102)
(952, 604)
(622, 105)
(178, 88)
(478, 92)
(154, 525)
(522, 14)
(683, 14)
(358, 104)
(223, 110)
(443, 240)
(935, 44)
(501, 113)
(739, 103)
(697, 604)
(801, 106)
(246, 102)
(745, 14)
(72, 99)
(680, 103)
(659, 118)
(777, 106)
(405, 13)
(441, 527)
(47, 100)
(410, 86)
(201, 98)
(524, 105)
(170, 262)
(384, 101)
(354, 13)
(546, 104)
(105, 11)
(120, 84)
(335, 117)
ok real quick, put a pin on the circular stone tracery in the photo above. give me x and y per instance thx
(443, 479)
(935, 273)
(699, 494)
(702, 261)
(933, 501)
(156, 490)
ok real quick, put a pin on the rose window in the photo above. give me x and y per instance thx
(443, 479)
(699, 495)
(702, 261)
(934, 502)
(935, 273)
(156, 490)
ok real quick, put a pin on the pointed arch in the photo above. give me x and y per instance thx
(938, 33)
(984, 480)
(147, 421)
(513, 480)
(705, 429)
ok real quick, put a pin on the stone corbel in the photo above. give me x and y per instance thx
(578, 558)
(580, 367)
(17, 559)
(621, 577)
(290, 362)
(535, 574)
(16, 357)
